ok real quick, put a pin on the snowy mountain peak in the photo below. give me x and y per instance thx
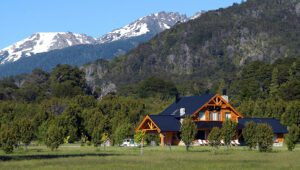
(42, 42)
(197, 15)
(151, 24)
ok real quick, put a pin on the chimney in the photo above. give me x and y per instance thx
(177, 97)
(182, 111)
(225, 96)
(224, 92)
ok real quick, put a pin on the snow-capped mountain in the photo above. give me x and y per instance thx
(138, 31)
(196, 15)
(151, 24)
(46, 50)
(42, 42)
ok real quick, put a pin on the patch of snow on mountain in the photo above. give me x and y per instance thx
(197, 15)
(42, 42)
(154, 23)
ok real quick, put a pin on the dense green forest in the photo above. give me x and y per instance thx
(41, 105)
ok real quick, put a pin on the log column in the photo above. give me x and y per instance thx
(162, 139)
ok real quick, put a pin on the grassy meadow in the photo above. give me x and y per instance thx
(88, 157)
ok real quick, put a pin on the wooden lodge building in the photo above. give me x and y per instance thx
(207, 111)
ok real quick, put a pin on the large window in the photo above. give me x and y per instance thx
(215, 116)
(202, 115)
(228, 115)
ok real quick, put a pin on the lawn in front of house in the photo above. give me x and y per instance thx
(73, 157)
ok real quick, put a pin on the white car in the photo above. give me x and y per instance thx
(129, 143)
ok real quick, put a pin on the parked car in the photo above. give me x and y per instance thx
(129, 143)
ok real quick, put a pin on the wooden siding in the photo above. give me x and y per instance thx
(220, 106)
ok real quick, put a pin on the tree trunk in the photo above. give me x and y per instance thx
(142, 143)
(26, 147)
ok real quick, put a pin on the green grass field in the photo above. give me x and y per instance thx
(201, 157)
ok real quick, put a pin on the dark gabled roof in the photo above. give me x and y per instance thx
(191, 104)
(166, 122)
(274, 123)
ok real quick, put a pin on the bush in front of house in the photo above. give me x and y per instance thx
(249, 134)
(188, 131)
(214, 137)
(292, 137)
(228, 131)
(264, 134)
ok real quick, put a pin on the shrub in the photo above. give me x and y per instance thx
(214, 137)
(121, 132)
(188, 131)
(54, 137)
(249, 134)
(292, 137)
(26, 131)
(149, 137)
(96, 136)
(264, 135)
(7, 139)
(228, 131)
(139, 138)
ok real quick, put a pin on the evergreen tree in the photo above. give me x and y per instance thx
(221, 86)
(188, 131)
(258, 109)
(292, 114)
(274, 84)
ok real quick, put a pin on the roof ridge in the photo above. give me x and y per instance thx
(160, 115)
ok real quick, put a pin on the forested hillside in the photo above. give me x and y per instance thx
(213, 49)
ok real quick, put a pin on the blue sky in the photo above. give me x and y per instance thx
(21, 18)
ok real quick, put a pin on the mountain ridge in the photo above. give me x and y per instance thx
(42, 42)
